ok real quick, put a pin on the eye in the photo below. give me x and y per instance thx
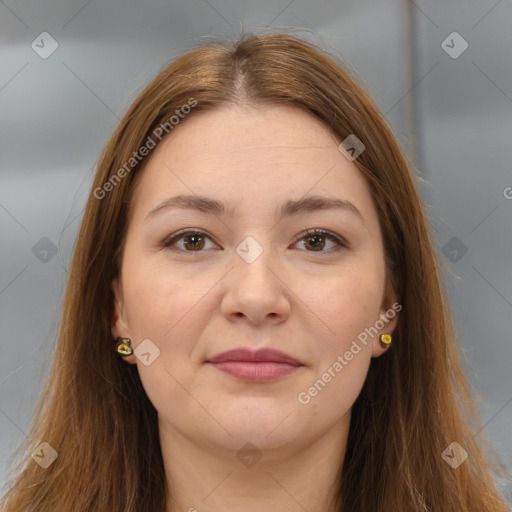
(194, 240)
(319, 236)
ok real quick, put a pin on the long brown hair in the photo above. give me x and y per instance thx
(416, 400)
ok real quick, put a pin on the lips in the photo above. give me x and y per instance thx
(262, 355)
(262, 365)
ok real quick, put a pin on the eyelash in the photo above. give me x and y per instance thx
(169, 241)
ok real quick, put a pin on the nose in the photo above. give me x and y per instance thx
(256, 289)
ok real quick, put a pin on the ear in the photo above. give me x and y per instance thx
(389, 317)
(119, 323)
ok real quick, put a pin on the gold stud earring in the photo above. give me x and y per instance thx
(123, 347)
(385, 340)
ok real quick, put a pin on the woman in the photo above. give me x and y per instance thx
(303, 358)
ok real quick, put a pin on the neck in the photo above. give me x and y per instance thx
(301, 476)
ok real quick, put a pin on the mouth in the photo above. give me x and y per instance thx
(264, 365)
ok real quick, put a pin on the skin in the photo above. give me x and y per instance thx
(196, 304)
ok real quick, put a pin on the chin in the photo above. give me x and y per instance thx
(262, 430)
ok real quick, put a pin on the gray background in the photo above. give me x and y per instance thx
(452, 115)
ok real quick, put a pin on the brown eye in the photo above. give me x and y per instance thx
(317, 243)
(193, 241)
(196, 241)
(316, 240)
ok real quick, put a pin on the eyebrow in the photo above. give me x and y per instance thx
(290, 208)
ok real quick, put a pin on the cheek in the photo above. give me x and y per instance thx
(168, 311)
(349, 304)
(157, 298)
(348, 307)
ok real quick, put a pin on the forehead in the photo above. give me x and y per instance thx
(268, 131)
(257, 156)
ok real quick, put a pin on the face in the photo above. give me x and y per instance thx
(197, 283)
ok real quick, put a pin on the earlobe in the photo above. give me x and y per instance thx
(383, 341)
(124, 350)
(119, 328)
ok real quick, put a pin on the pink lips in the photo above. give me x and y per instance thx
(262, 365)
